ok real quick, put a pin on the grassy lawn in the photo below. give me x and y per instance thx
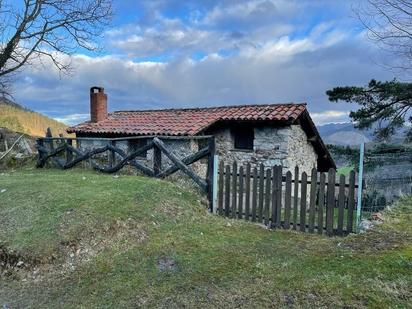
(91, 240)
(344, 170)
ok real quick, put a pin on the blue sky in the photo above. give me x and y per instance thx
(173, 53)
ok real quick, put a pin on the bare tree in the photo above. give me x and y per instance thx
(389, 24)
(32, 29)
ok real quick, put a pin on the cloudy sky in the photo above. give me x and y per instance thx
(173, 53)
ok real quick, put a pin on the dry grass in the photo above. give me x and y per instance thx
(25, 121)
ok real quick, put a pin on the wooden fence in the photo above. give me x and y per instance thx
(106, 155)
(309, 204)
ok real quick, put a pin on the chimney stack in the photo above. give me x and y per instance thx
(98, 104)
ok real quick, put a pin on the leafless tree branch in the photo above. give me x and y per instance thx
(389, 24)
(38, 28)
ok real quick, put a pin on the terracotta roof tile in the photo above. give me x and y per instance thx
(186, 121)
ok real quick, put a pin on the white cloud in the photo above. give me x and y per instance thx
(73, 118)
(284, 71)
(330, 116)
(246, 62)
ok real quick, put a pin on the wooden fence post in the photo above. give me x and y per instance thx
(240, 201)
(288, 199)
(321, 202)
(295, 197)
(40, 144)
(341, 204)
(278, 196)
(247, 189)
(254, 195)
(267, 196)
(331, 202)
(210, 171)
(221, 178)
(69, 152)
(351, 202)
(157, 160)
(312, 203)
(261, 190)
(227, 191)
(274, 197)
(234, 189)
(215, 159)
(303, 196)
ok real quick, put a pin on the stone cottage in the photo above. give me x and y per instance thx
(271, 134)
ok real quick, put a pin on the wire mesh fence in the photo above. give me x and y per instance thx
(388, 175)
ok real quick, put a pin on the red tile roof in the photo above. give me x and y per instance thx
(189, 121)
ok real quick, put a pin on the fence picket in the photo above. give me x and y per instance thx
(240, 202)
(312, 203)
(295, 198)
(274, 201)
(288, 199)
(227, 191)
(321, 202)
(303, 195)
(279, 196)
(261, 190)
(220, 192)
(267, 196)
(351, 202)
(341, 204)
(234, 189)
(331, 202)
(254, 196)
(247, 189)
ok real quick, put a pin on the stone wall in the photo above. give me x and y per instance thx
(286, 146)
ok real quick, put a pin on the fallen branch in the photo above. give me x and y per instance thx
(11, 148)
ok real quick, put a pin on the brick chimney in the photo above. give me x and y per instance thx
(98, 104)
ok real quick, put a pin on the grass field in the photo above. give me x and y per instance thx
(83, 239)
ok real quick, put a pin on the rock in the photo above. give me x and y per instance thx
(3, 190)
(377, 216)
(365, 225)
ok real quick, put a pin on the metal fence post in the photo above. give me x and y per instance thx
(360, 182)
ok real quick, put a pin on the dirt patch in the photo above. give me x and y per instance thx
(377, 240)
(73, 253)
(11, 261)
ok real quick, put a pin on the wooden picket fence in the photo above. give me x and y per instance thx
(316, 204)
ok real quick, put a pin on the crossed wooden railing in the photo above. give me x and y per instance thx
(76, 155)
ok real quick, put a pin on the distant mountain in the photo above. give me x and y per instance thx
(20, 119)
(344, 134)
(347, 135)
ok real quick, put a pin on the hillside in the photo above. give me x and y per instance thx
(16, 118)
(79, 239)
(346, 134)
